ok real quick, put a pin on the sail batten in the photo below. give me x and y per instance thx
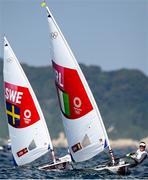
(28, 131)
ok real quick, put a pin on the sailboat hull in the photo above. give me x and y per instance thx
(57, 166)
(122, 169)
(63, 163)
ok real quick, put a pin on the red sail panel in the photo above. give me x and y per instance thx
(20, 107)
(74, 101)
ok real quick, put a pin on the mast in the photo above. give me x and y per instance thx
(43, 4)
(53, 155)
(80, 74)
(112, 155)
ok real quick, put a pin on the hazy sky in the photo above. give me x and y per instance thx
(110, 33)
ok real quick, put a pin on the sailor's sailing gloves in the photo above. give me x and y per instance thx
(132, 155)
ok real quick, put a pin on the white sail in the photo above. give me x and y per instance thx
(28, 131)
(82, 121)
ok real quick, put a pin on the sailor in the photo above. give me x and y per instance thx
(137, 157)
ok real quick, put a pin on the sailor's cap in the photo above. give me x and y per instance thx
(142, 144)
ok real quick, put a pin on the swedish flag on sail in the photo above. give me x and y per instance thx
(13, 113)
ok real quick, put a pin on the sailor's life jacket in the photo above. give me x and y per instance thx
(140, 156)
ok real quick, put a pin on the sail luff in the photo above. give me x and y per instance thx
(60, 66)
(32, 92)
(79, 72)
(28, 143)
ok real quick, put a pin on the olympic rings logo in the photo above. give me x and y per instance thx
(27, 113)
(54, 35)
(10, 59)
(77, 102)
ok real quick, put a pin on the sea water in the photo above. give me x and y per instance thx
(82, 170)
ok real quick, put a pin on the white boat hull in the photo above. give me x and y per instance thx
(57, 166)
(122, 169)
(62, 163)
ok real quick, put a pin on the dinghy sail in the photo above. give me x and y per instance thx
(28, 131)
(82, 121)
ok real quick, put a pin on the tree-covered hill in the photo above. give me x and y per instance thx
(122, 97)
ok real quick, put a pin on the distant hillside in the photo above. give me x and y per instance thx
(122, 97)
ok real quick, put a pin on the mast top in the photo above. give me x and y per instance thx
(43, 4)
